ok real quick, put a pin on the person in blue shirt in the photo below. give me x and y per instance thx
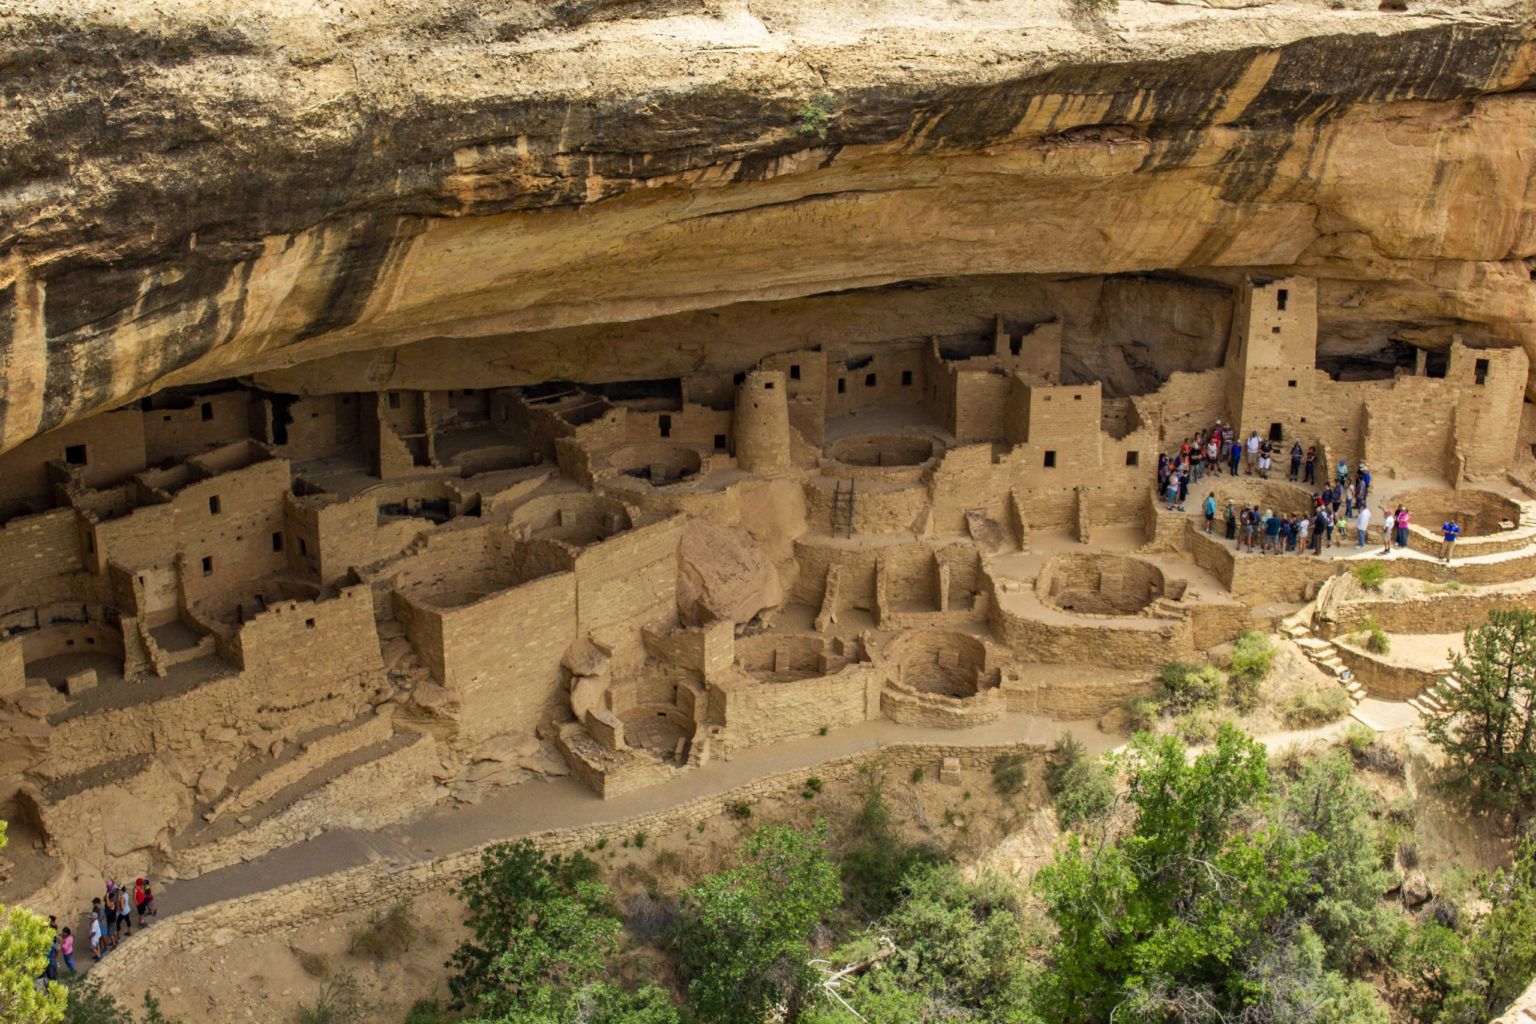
(1208, 506)
(1450, 531)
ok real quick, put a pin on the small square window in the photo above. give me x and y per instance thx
(767, 385)
(906, 378)
(213, 504)
(1047, 398)
(1077, 398)
(309, 623)
(75, 455)
(1050, 460)
(394, 399)
(1481, 371)
(1132, 458)
(720, 442)
(842, 385)
(208, 565)
(207, 411)
(1274, 330)
(277, 541)
(794, 371)
(869, 380)
(1290, 383)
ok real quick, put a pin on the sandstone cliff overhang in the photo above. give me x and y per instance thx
(194, 190)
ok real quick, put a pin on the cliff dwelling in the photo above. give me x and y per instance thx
(448, 422)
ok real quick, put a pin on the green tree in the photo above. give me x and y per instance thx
(1080, 785)
(1468, 978)
(543, 928)
(88, 1004)
(1164, 922)
(744, 937)
(25, 939)
(1342, 900)
(1488, 728)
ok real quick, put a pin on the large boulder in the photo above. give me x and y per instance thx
(723, 575)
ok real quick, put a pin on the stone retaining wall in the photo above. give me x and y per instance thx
(1381, 678)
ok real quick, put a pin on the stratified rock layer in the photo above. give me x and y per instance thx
(200, 190)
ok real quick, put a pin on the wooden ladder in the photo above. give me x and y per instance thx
(842, 510)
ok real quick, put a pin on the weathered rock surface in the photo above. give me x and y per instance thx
(723, 576)
(194, 189)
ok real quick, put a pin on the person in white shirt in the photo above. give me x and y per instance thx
(1362, 525)
(1253, 451)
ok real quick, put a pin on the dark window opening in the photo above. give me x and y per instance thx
(277, 541)
(1077, 398)
(303, 547)
(842, 386)
(1435, 364)
(1481, 371)
(213, 504)
(90, 544)
(1290, 383)
(207, 411)
(468, 392)
(1050, 460)
(1274, 330)
(309, 623)
(738, 379)
(394, 399)
(794, 371)
(1016, 345)
(906, 378)
(665, 423)
(1132, 458)
(1276, 432)
(1280, 298)
(869, 380)
(720, 442)
(75, 455)
(208, 566)
(767, 385)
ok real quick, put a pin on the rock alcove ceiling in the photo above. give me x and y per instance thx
(358, 196)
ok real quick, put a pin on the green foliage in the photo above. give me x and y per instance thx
(743, 941)
(339, 1001)
(740, 811)
(426, 1011)
(1488, 728)
(152, 1012)
(1376, 639)
(1253, 656)
(875, 867)
(385, 935)
(1466, 977)
(1341, 901)
(543, 927)
(1177, 913)
(918, 771)
(87, 1003)
(1370, 574)
(1009, 773)
(1142, 713)
(814, 116)
(25, 939)
(1081, 786)
(1316, 707)
(1184, 687)
(640, 838)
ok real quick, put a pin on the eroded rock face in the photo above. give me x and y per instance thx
(195, 190)
(723, 575)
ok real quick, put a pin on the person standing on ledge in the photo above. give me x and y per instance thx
(1450, 531)
(1208, 506)
(1266, 450)
(1402, 527)
(1295, 462)
(1362, 524)
(1235, 455)
(1253, 451)
(1388, 528)
(1311, 476)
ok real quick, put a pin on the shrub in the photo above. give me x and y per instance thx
(1009, 773)
(1253, 657)
(640, 840)
(741, 810)
(339, 1001)
(918, 771)
(1079, 785)
(1196, 727)
(1370, 574)
(316, 965)
(1317, 707)
(1185, 687)
(385, 935)
(1141, 712)
(425, 1011)
(1359, 738)
(89, 1004)
(647, 917)
(1376, 640)
(813, 784)
(814, 115)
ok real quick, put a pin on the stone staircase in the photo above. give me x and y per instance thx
(1325, 656)
(1432, 699)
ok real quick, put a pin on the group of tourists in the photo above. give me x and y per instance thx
(111, 919)
(1339, 507)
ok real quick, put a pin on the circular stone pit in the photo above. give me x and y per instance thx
(1479, 512)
